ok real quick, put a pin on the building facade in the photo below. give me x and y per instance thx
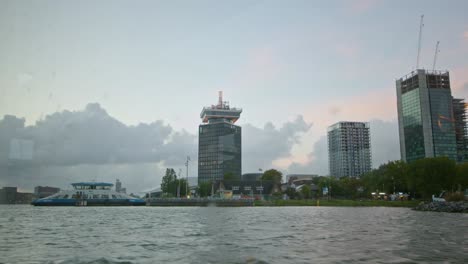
(425, 116)
(10, 195)
(349, 149)
(461, 131)
(219, 143)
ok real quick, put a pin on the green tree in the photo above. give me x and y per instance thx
(273, 175)
(182, 185)
(291, 193)
(396, 176)
(169, 182)
(431, 175)
(204, 189)
(305, 192)
(461, 179)
(229, 176)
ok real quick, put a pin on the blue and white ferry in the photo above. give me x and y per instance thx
(89, 194)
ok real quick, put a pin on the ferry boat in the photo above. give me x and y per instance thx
(89, 194)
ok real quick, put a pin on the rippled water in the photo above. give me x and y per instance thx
(229, 235)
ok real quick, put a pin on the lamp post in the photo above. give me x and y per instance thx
(261, 184)
(186, 180)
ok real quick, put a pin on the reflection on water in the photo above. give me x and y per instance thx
(229, 235)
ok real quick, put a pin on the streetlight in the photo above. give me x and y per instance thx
(261, 183)
(186, 182)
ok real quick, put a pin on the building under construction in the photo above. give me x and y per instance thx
(219, 143)
(349, 150)
(461, 131)
(425, 115)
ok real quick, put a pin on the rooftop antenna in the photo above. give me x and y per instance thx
(435, 55)
(220, 98)
(419, 42)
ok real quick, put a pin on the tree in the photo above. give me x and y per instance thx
(169, 182)
(229, 176)
(182, 184)
(432, 175)
(462, 176)
(204, 189)
(305, 192)
(272, 175)
(291, 193)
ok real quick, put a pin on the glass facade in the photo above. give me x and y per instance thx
(219, 151)
(443, 125)
(412, 125)
(426, 116)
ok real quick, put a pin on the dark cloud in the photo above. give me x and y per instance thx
(91, 145)
(92, 136)
(384, 143)
(262, 146)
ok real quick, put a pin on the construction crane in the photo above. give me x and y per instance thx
(435, 55)
(421, 25)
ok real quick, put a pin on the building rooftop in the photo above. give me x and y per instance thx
(428, 72)
(348, 124)
(220, 111)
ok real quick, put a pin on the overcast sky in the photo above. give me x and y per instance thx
(137, 73)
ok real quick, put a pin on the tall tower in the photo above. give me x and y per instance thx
(219, 142)
(349, 150)
(425, 115)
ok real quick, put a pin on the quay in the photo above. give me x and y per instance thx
(199, 202)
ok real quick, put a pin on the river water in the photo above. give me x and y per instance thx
(230, 235)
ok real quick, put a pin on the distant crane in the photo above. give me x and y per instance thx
(435, 55)
(419, 42)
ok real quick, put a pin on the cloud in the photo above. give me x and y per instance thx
(92, 145)
(262, 146)
(384, 143)
(92, 136)
(465, 35)
(317, 160)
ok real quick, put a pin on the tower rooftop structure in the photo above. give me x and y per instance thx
(220, 112)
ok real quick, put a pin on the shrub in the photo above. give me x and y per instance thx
(454, 197)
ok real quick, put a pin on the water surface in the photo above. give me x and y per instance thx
(230, 235)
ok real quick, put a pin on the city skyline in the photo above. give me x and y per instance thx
(301, 74)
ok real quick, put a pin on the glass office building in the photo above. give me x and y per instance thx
(219, 143)
(425, 116)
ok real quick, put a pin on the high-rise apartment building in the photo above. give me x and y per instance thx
(425, 116)
(219, 142)
(349, 149)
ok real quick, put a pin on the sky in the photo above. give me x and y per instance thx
(78, 78)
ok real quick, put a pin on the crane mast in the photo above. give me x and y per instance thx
(421, 25)
(435, 55)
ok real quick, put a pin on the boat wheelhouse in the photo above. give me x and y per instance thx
(89, 194)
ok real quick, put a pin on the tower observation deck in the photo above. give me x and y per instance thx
(220, 112)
